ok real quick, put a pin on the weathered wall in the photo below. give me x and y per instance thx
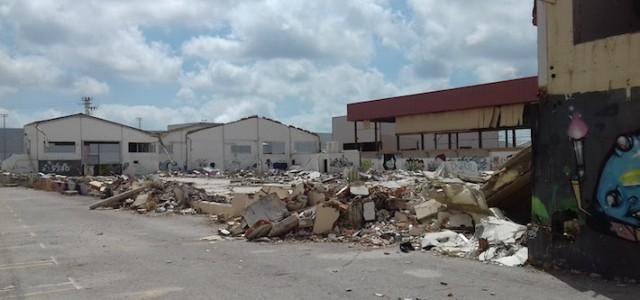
(586, 156)
(565, 68)
(216, 144)
(80, 129)
(586, 165)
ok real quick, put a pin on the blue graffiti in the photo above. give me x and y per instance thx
(618, 191)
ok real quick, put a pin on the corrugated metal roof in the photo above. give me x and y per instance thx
(516, 91)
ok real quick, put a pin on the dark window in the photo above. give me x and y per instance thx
(598, 19)
(142, 148)
(60, 147)
(365, 147)
(236, 149)
(273, 148)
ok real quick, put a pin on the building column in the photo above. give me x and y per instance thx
(375, 134)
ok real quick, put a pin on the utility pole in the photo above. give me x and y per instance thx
(139, 122)
(4, 136)
(87, 103)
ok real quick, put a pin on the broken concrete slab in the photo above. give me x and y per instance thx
(212, 208)
(369, 211)
(140, 200)
(285, 226)
(240, 201)
(316, 197)
(427, 209)
(359, 190)
(434, 239)
(266, 208)
(260, 229)
(117, 198)
(326, 217)
(459, 221)
(281, 192)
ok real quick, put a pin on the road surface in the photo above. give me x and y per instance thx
(53, 247)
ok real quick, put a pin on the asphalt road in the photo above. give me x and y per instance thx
(53, 247)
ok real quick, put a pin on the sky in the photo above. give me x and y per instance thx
(299, 62)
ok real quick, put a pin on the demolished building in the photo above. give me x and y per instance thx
(475, 127)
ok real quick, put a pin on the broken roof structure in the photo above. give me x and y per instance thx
(494, 106)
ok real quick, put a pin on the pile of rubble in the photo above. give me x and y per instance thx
(445, 211)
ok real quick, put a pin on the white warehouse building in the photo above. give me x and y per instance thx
(173, 145)
(81, 144)
(250, 143)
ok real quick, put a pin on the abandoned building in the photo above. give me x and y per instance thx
(83, 144)
(586, 138)
(479, 123)
(250, 143)
(173, 144)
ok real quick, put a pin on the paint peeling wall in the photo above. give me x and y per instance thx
(566, 68)
(586, 149)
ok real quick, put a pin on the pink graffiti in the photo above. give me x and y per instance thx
(577, 128)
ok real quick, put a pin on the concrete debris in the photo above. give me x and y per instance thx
(427, 209)
(369, 211)
(450, 211)
(326, 217)
(268, 208)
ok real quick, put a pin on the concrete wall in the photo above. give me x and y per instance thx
(175, 139)
(206, 147)
(220, 144)
(80, 129)
(585, 196)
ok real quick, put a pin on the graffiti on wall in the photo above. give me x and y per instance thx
(60, 167)
(341, 162)
(614, 206)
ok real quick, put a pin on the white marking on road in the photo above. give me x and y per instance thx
(74, 283)
(42, 246)
(24, 265)
(54, 260)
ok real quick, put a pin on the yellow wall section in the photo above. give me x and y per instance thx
(611, 63)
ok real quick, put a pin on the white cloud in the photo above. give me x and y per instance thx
(87, 86)
(299, 61)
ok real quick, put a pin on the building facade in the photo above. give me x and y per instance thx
(173, 145)
(251, 143)
(81, 144)
(476, 127)
(587, 137)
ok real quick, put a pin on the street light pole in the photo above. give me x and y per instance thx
(4, 136)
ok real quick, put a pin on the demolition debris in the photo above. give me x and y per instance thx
(442, 211)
